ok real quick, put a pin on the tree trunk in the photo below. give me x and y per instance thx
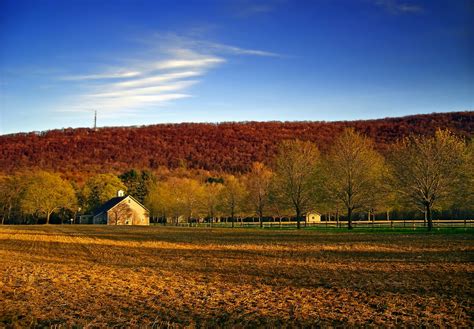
(47, 217)
(349, 218)
(298, 215)
(428, 217)
(260, 220)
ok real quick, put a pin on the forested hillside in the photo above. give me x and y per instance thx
(230, 147)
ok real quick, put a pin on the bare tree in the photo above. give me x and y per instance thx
(232, 197)
(258, 186)
(426, 170)
(12, 189)
(212, 199)
(121, 213)
(352, 172)
(295, 172)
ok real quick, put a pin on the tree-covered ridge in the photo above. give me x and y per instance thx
(419, 173)
(229, 147)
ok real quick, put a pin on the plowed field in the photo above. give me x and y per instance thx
(101, 276)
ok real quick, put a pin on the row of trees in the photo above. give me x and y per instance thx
(417, 173)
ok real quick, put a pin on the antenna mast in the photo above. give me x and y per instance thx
(95, 119)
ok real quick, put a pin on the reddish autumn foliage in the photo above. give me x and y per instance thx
(230, 147)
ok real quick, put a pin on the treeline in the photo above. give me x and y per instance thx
(419, 174)
(224, 147)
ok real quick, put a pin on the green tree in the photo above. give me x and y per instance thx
(427, 170)
(137, 183)
(99, 189)
(46, 193)
(352, 173)
(295, 173)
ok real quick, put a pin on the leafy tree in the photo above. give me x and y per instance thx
(258, 182)
(463, 196)
(188, 195)
(352, 172)
(160, 200)
(11, 192)
(99, 189)
(295, 172)
(47, 193)
(427, 170)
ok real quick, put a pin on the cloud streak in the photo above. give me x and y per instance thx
(165, 76)
(396, 7)
(116, 75)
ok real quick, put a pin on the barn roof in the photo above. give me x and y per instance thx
(108, 205)
(113, 202)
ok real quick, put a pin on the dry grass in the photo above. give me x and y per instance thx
(169, 277)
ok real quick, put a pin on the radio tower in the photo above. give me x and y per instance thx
(95, 120)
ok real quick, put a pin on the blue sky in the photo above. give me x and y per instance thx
(144, 62)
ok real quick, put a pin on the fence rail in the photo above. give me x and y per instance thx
(413, 224)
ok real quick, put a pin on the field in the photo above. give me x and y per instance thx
(171, 277)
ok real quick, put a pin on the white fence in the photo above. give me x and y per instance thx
(413, 224)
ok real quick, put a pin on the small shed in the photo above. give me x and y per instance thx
(313, 217)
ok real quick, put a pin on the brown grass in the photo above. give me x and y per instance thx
(171, 277)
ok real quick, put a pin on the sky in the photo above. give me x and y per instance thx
(140, 62)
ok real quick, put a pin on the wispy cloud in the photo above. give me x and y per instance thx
(189, 63)
(232, 50)
(398, 7)
(248, 8)
(116, 75)
(165, 75)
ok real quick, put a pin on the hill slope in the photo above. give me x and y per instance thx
(226, 146)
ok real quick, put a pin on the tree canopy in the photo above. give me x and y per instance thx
(352, 172)
(46, 193)
(427, 170)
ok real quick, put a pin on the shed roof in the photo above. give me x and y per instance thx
(108, 205)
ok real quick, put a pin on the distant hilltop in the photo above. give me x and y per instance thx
(228, 146)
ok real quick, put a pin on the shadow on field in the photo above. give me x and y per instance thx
(363, 271)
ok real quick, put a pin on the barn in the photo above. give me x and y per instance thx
(121, 210)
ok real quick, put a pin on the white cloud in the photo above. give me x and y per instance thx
(181, 85)
(161, 77)
(189, 63)
(232, 50)
(118, 75)
(157, 78)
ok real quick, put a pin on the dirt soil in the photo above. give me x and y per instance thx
(103, 276)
